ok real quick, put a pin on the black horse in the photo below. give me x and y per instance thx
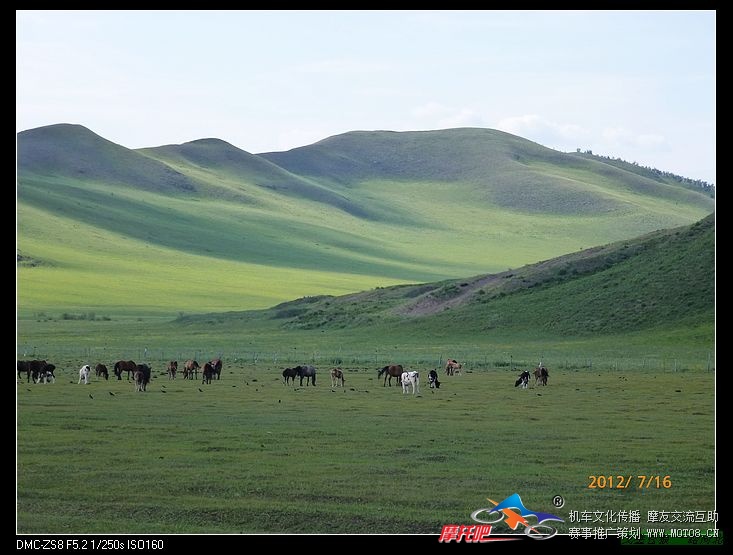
(308, 372)
(289, 374)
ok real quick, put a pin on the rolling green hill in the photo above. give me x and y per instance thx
(663, 280)
(75, 152)
(205, 226)
(512, 172)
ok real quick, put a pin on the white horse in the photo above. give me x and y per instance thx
(411, 379)
(84, 373)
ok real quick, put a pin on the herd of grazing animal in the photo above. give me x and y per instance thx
(41, 371)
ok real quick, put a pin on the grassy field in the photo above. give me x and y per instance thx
(249, 454)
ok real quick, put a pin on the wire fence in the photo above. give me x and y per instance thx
(369, 360)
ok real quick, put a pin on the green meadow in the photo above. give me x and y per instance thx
(248, 454)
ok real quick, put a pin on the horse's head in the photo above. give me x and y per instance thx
(381, 371)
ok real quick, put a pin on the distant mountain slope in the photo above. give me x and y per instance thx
(222, 159)
(73, 151)
(512, 172)
(662, 280)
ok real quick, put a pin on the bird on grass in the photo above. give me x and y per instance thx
(112, 394)
(201, 390)
(90, 396)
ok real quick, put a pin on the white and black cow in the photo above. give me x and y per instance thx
(433, 379)
(522, 380)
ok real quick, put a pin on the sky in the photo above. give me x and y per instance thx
(638, 85)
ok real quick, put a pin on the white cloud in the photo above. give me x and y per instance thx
(544, 131)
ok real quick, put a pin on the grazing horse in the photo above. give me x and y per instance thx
(308, 372)
(433, 379)
(411, 379)
(24, 366)
(540, 375)
(452, 366)
(124, 366)
(191, 370)
(32, 368)
(45, 375)
(289, 374)
(337, 377)
(216, 365)
(84, 373)
(141, 376)
(391, 371)
(522, 380)
(172, 369)
(101, 370)
(48, 369)
(208, 373)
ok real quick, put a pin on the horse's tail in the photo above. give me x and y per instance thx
(313, 378)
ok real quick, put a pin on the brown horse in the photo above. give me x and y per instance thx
(452, 366)
(391, 371)
(540, 375)
(337, 377)
(124, 366)
(172, 369)
(190, 370)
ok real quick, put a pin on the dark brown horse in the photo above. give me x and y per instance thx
(540, 375)
(124, 366)
(172, 369)
(216, 365)
(101, 370)
(208, 373)
(32, 368)
(391, 371)
(190, 370)
(141, 375)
